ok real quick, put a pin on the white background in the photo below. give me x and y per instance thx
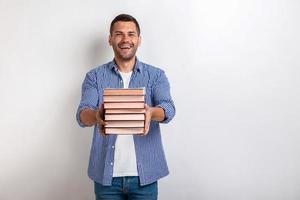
(234, 73)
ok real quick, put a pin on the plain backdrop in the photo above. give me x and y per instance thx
(234, 70)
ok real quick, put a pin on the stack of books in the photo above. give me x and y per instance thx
(124, 110)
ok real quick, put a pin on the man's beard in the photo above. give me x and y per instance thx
(122, 55)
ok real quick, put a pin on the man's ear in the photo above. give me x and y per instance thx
(109, 40)
(140, 41)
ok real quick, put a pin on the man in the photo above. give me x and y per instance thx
(126, 166)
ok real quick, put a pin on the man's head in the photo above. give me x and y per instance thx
(124, 36)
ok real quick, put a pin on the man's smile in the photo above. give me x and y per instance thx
(125, 46)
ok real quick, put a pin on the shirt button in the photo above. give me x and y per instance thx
(111, 163)
(112, 147)
(121, 81)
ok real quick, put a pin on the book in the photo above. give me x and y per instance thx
(111, 124)
(125, 110)
(124, 91)
(125, 98)
(123, 105)
(109, 117)
(124, 131)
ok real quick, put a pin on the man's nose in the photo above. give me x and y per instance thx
(125, 38)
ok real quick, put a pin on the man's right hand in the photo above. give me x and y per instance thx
(100, 119)
(91, 117)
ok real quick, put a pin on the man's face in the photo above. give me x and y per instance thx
(124, 40)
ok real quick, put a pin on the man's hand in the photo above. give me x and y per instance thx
(152, 113)
(148, 117)
(99, 119)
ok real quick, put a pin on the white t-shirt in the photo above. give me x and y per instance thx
(125, 158)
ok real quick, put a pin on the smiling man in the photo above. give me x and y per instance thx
(126, 166)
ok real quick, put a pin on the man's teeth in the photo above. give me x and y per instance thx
(125, 47)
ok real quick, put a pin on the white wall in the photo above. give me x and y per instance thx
(234, 71)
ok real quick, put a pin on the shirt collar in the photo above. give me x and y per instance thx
(137, 66)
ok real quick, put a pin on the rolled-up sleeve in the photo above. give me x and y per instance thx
(89, 95)
(162, 96)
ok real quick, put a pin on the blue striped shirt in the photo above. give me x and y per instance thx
(151, 161)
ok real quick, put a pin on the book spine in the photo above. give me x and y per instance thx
(128, 117)
(124, 131)
(123, 105)
(126, 98)
(125, 110)
(123, 124)
(129, 91)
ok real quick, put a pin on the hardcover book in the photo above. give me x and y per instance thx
(125, 110)
(124, 91)
(125, 98)
(123, 124)
(124, 131)
(110, 117)
(123, 105)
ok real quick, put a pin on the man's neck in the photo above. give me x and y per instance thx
(125, 66)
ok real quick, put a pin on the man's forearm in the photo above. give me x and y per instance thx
(88, 117)
(158, 114)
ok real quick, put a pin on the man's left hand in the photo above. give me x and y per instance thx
(148, 117)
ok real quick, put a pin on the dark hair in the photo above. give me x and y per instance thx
(125, 18)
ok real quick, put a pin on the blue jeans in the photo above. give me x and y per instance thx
(126, 188)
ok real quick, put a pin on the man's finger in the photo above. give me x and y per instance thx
(146, 130)
(147, 120)
(103, 131)
(147, 124)
(101, 122)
